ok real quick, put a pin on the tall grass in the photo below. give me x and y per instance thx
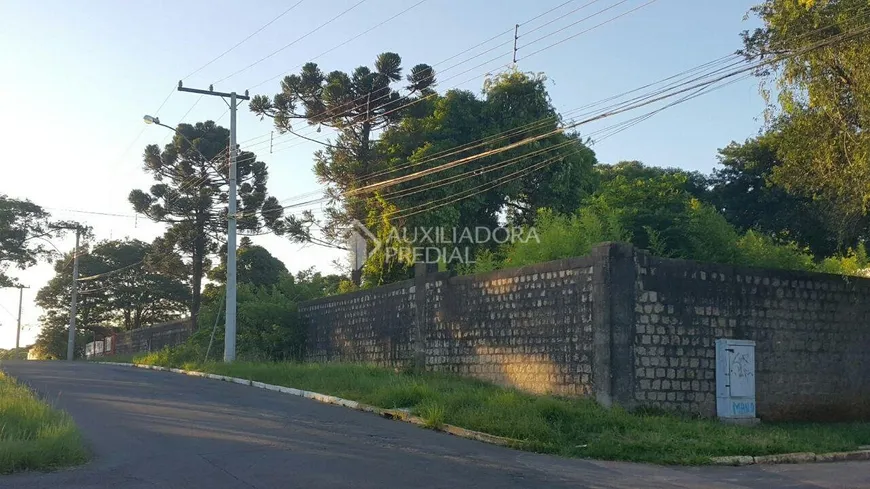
(570, 427)
(34, 436)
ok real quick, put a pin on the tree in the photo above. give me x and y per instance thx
(191, 197)
(743, 189)
(657, 213)
(695, 183)
(822, 111)
(135, 294)
(554, 172)
(255, 266)
(22, 224)
(54, 298)
(117, 289)
(356, 105)
(269, 324)
(14, 353)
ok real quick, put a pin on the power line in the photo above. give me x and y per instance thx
(513, 131)
(581, 32)
(505, 32)
(560, 18)
(699, 89)
(7, 312)
(168, 96)
(486, 169)
(112, 272)
(273, 53)
(343, 43)
(425, 207)
(264, 26)
(420, 99)
(557, 7)
(572, 24)
(282, 14)
(528, 140)
(129, 216)
(428, 206)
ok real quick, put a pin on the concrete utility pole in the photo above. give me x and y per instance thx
(71, 342)
(20, 302)
(230, 328)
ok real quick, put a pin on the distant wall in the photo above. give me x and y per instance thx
(150, 338)
(619, 325)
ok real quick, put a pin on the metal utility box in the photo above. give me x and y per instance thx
(735, 380)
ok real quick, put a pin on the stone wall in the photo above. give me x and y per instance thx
(620, 325)
(527, 327)
(371, 326)
(812, 334)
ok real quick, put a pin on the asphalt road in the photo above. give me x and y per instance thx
(162, 430)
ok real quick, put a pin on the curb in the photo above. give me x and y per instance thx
(792, 458)
(396, 414)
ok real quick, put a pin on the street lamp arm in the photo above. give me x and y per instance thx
(156, 121)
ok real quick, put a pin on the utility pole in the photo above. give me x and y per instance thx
(20, 303)
(516, 37)
(230, 327)
(71, 341)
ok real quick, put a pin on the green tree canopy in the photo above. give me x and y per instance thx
(356, 105)
(255, 266)
(553, 172)
(117, 289)
(22, 224)
(822, 105)
(744, 190)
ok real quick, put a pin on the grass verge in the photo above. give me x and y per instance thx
(569, 427)
(34, 436)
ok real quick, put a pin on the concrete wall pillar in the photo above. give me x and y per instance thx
(613, 318)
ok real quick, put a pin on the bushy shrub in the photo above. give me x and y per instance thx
(758, 250)
(560, 236)
(659, 214)
(853, 262)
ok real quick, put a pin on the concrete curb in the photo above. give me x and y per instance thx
(396, 414)
(792, 458)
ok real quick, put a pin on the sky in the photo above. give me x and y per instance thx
(77, 77)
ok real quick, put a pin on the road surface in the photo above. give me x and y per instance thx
(153, 429)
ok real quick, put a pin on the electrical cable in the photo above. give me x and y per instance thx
(111, 272)
(686, 72)
(267, 24)
(273, 53)
(557, 18)
(343, 43)
(465, 160)
(581, 32)
(420, 99)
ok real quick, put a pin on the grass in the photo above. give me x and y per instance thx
(569, 427)
(34, 436)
